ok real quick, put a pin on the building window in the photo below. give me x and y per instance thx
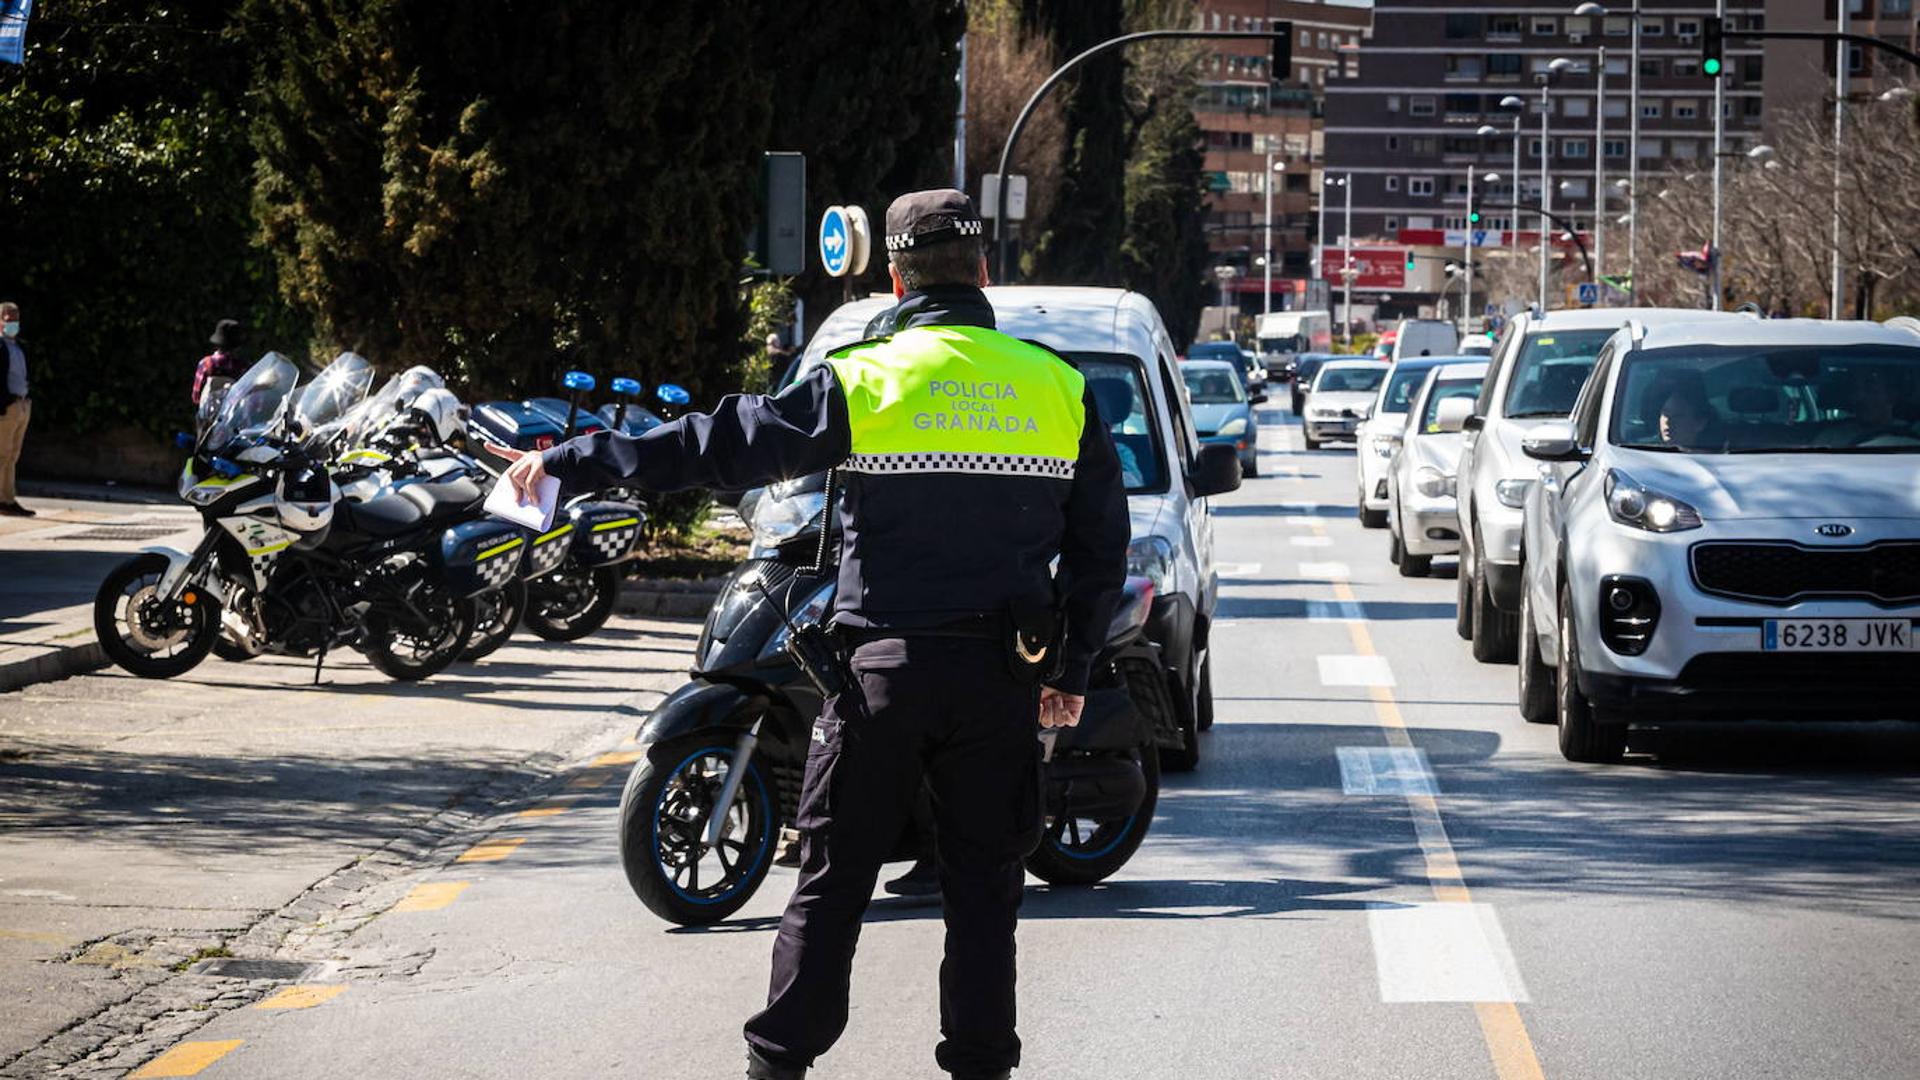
(1424, 146)
(1503, 26)
(1650, 110)
(1573, 189)
(1391, 224)
(1420, 185)
(1752, 106)
(1686, 109)
(1393, 102)
(1455, 223)
(1616, 65)
(1504, 64)
(1616, 148)
(1465, 26)
(1575, 107)
(1751, 70)
(1686, 69)
(1421, 105)
(1306, 38)
(1533, 147)
(1468, 68)
(1420, 221)
(1545, 26)
(1651, 67)
(1651, 148)
(1653, 27)
(1896, 8)
(1463, 103)
(1579, 24)
(1323, 42)
(1618, 26)
(1686, 29)
(1393, 143)
(1685, 149)
(1573, 148)
(1393, 183)
(1616, 106)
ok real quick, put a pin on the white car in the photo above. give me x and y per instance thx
(1423, 514)
(1378, 436)
(1537, 370)
(1425, 337)
(1118, 341)
(1340, 398)
(1727, 528)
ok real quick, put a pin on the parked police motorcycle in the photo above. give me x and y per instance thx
(298, 569)
(726, 753)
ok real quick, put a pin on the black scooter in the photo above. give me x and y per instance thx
(702, 811)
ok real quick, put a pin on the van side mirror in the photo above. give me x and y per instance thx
(1216, 470)
(1452, 414)
(1552, 441)
(1473, 422)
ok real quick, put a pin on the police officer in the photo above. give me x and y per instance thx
(970, 461)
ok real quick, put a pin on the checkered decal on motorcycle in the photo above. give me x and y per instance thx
(988, 464)
(614, 540)
(263, 561)
(549, 551)
(498, 569)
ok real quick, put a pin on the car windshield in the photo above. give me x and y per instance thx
(1802, 399)
(1352, 380)
(1401, 387)
(1118, 385)
(1452, 388)
(1552, 366)
(1214, 350)
(1212, 386)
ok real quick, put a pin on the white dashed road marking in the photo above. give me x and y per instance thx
(1355, 671)
(1311, 541)
(1385, 770)
(1443, 952)
(1325, 571)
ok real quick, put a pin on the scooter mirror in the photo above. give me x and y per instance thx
(672, 393)
(577, 380)
(625, 385)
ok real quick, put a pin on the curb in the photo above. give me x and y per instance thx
(51, 665)
(671, 599)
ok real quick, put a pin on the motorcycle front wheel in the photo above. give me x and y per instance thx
(571, 602)
(496, 614)
(410, 648)
(145, 635)
(664, 814)
(1081, 851)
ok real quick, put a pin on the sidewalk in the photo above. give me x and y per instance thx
(51, 565)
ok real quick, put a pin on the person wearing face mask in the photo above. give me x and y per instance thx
(14, 409)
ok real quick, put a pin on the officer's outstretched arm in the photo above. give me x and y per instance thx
(747, 439)
(1093, 552)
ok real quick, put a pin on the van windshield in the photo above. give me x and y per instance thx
(1118, 385)
(1551, 368)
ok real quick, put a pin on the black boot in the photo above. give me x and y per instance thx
(761, 1068)
(1003, 1074)
(922, 882)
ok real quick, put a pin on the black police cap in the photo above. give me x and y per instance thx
(920, 218)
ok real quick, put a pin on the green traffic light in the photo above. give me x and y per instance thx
(1474, 217)
(1711, 67)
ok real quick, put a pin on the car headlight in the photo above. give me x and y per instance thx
(776, 521)
(1630, 503)
(1385, 445)
(1323, 411)
(1431, 482)
(1151, 557)
(1512, 493)
(814, 610)
(1235, 426)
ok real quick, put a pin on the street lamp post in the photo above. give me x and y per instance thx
(1266, 300)
(1719, 135)
(1840, 74)
(1519, 106)
(1633, 139)
(1226, 274)
(1347, 271)
(1467, 302)
(1600, 166)
(1547, 78)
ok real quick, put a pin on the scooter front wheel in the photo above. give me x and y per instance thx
(1080, 851)
(665, 814)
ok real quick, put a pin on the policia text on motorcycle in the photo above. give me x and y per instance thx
(969, 460)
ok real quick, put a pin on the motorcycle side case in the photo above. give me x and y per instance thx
(605, 532)
(547, 550)
(514, 424)
(480, 555)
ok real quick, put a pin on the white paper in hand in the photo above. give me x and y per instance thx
(503, 503)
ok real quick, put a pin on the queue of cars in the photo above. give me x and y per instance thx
(1666, 515)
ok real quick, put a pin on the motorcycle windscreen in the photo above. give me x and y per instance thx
(326, 402)
(254, 401)
(481, 555)
(605, 532)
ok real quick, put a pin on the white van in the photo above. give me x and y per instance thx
(1289, 333)
(1426, 337)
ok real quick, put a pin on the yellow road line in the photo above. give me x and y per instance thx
(432, 896)
(617, 757)
(491, 850)
(545, 810)
(591, 778)
(40, 936)
(1501, 1026)
(301, 997)
(185, 1059)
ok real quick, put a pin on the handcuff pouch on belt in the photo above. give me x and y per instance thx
(1035, 639)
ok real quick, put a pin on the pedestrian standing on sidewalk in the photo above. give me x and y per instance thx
(961, 639)
(15, 409)
(224, 361)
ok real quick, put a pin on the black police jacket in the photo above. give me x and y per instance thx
(918, 550)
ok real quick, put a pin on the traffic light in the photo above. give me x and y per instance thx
(1712, 47)
(1473, 212)
(1281, 63)
(1409, 262)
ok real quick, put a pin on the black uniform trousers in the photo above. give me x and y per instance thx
(944, 711)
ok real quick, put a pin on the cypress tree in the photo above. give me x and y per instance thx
(1078, 242)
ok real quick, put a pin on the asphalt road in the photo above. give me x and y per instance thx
(1378, 871)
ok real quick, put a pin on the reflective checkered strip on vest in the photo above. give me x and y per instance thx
(960, 399)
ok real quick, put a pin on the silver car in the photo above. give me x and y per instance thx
(1727, 528)
(1341, 397)
(1422, 512)
(1537, 370)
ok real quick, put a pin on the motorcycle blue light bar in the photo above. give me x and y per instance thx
(225, 468)
(577, 380)
(673, 394)
(625, 385)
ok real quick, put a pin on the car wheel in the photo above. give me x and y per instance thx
(1412, 565)
(1536, 689)
(1251, 466)
(1312, 443)
(1203, 704)
(1463, 598)
(1394, 552)
(1185, 757)
(1585, 734)
(1494, 630)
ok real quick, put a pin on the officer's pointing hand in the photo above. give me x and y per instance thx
(1059, 708)
(524, 474)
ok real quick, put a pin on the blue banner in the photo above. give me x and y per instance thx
(13, 29)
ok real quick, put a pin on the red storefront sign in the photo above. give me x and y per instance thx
(1378, 268)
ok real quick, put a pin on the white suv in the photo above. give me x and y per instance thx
(1117, 340)
(1536, 372)
(1727, 528)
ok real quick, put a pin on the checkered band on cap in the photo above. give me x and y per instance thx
(905, 241)
(1050, 468)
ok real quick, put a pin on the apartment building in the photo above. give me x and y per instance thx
(1800, 73)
